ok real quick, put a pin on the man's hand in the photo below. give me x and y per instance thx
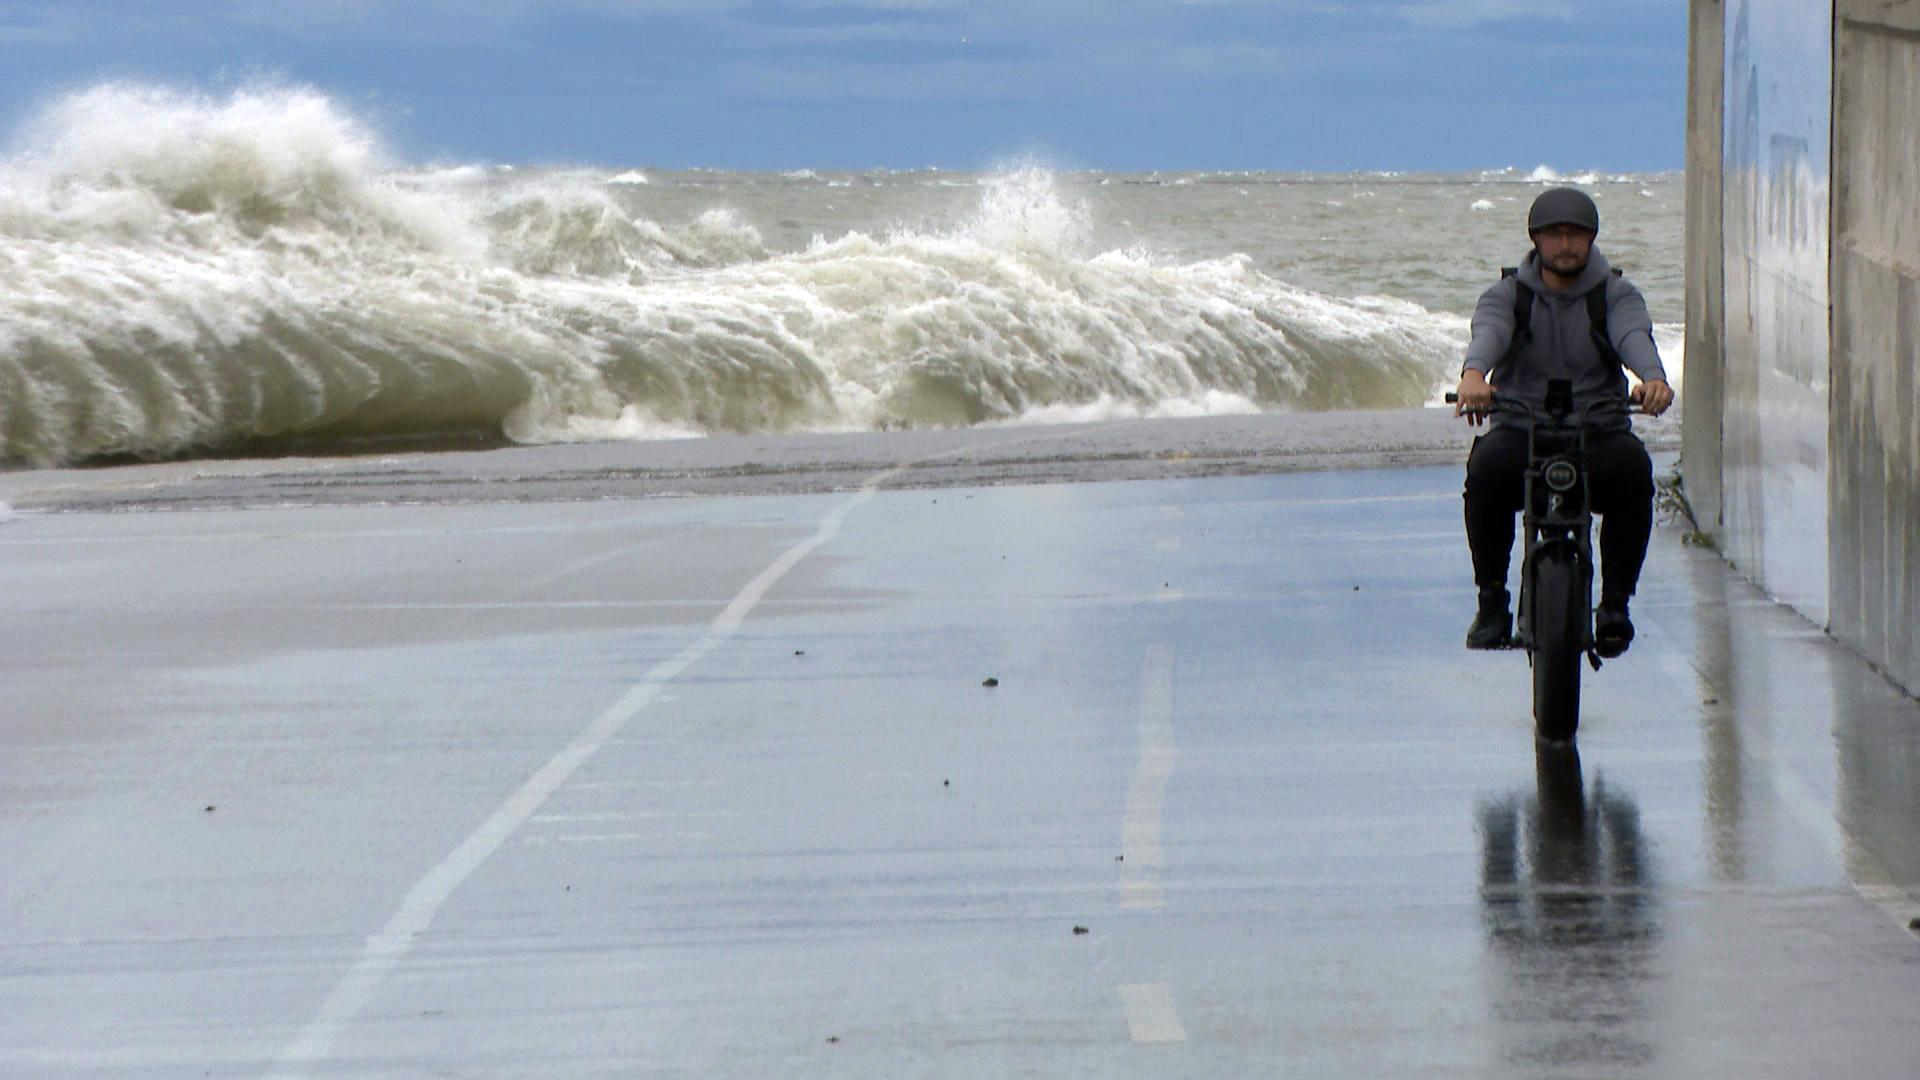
(1653, 396)
(1474, 398)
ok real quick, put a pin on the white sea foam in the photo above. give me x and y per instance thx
(631, 177)
(1547, 174)
(448, 177)
(1107, 407)
(633, 424)
(189, 272)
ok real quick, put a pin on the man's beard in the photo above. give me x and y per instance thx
(1573, 271)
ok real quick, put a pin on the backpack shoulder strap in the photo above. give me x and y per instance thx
(1522, 306)
(1597, 319)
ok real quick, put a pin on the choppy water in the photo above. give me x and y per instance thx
(184, 275)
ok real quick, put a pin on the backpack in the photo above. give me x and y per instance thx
(1596, 315)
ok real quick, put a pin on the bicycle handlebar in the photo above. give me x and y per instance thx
(1521, 408)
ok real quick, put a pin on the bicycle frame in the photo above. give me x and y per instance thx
(1556, 572)
(1557, 514)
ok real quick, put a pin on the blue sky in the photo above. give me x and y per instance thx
(1115, 84)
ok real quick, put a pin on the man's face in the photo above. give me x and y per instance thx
(1563, 248)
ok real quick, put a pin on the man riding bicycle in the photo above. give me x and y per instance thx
(1564, 313)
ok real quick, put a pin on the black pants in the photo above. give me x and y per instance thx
(1620, 476)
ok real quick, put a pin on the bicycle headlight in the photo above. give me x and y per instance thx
(1560, 476)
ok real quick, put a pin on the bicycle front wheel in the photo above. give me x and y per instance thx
(1558, 640)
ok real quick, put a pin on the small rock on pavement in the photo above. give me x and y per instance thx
(991, 681)
(1081, 930)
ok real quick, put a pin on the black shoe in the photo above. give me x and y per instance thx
(1612, 630)
(1493, 627)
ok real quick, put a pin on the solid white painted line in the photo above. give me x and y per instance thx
(417, 910)
(1169, 595)
(1151, 1017)
(1140, 850)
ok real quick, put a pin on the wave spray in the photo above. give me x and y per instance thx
(190, 274)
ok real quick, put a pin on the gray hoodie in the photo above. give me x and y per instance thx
(1562, 345)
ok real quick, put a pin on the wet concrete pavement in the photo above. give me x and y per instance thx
(713, 788)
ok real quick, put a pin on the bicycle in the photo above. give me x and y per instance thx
(1555, 624)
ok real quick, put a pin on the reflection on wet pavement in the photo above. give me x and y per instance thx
(1572, 920)
(1793, 723)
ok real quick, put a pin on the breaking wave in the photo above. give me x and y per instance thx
(186, 274)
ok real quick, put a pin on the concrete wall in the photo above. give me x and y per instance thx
(1875, 447)
(1704, 380)
(1775, 204)
(1802, 395)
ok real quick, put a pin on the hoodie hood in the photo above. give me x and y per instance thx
(1559, 341)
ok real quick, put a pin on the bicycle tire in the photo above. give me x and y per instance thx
(1557, 643)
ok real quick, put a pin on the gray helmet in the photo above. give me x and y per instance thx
(1563, 206)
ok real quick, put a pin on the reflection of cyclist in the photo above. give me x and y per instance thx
(1570, 897)
(1563, 314)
